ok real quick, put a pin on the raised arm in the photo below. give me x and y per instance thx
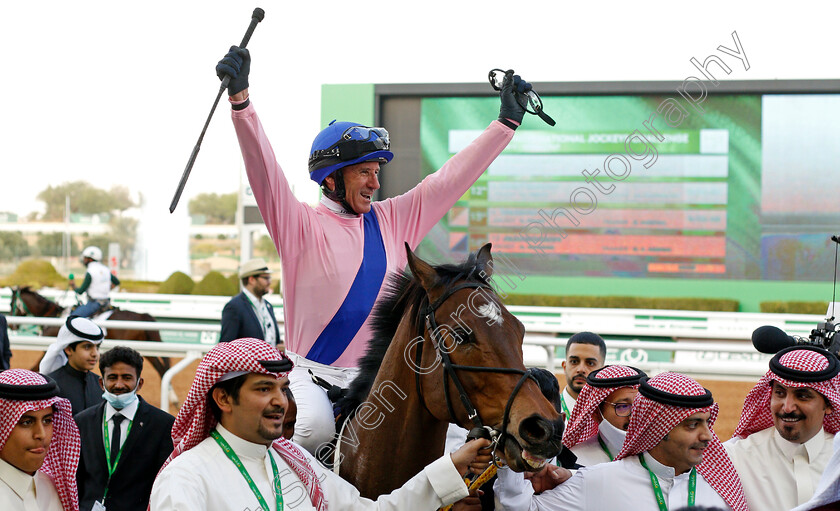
(284, 216)
(414, 213)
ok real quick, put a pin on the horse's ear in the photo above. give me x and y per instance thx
(422, 270)
(484, 261)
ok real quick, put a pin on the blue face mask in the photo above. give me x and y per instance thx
(120, 401)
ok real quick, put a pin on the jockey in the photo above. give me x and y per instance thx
(336, 255)
(99, 281)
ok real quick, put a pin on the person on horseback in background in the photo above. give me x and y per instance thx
(98, 283)
(337, 254)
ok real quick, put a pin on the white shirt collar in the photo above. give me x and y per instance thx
(242, 447)
(661, 471)
(19, 481)
(336, 208)
(812, 447)
(251, 296)
(568, 399)
(128, 412)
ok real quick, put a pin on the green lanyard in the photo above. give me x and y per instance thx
(112, 468)
(660, 499)
(604, 447)
(565, 408)
(278, 494)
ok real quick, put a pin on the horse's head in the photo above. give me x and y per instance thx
(26, 302)
(471, 371)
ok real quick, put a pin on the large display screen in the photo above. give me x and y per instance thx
(648, 186)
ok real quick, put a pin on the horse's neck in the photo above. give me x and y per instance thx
(397, 436)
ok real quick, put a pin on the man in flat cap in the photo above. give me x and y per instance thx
(70, 361)
(249, 314)
(783, 440)
(39, 445)
(230, 453)
(671, 458)
(596, 430)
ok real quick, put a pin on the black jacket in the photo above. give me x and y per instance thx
(239, 320)
(148, 445)
(82, 389)
(5, 348)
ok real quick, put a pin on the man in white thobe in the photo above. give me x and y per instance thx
(783, 440)
(596, 430)
(230, 453)
(39, 445)
(670, 448)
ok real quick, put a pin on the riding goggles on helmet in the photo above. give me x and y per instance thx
(355, 142)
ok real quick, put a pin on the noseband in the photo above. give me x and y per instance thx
(427, 313)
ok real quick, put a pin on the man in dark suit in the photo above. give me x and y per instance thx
(5, 348)
(125, 440)
(249, 314)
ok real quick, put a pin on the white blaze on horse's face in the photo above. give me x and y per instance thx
(492, 312)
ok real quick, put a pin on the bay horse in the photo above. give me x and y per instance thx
(442, 333)
(26, 302)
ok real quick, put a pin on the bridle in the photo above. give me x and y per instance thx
(427, 323)
(19, 305)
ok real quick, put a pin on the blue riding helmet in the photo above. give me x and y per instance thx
(342, 144)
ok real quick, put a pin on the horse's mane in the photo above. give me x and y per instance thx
(39, 297)
(402, 296)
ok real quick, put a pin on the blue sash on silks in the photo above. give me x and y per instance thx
(359, 301)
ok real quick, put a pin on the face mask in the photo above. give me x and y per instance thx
(613, 436)
(120, 401)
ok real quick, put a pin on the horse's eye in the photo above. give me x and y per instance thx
(464, 337)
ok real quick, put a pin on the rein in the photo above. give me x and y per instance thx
(430, 325)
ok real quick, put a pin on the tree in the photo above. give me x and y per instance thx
(52, 245)
(13, 246)
(84, 198)
(218, 208)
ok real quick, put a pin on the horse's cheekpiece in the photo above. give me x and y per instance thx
(496, 436)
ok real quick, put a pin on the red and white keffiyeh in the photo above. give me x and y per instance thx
(792, 367)
(62, 458)
(195, 422)
(652, 419)
(583, 424)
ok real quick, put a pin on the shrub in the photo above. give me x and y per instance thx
(139, 286)
(36, 273)
(794, 307)
(234, 279)
(179, 283)
(215, 284)
(625, 302)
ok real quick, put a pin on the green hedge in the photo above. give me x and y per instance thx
(795, 307)
(179, 283)
(215, 284)
(36, 273)
(139, 286)
(625, 302)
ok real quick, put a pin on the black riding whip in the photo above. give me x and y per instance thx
(256, 17)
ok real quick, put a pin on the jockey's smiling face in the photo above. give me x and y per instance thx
(798, 412)
(256, 413)
(360, 182)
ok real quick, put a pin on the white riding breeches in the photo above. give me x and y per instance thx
(315, 422)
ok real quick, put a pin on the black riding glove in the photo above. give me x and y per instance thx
(237, 65)
(511, 109)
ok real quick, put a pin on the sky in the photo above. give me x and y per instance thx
(116, 93)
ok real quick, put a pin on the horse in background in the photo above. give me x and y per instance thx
(26, 302)
(397, 411)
